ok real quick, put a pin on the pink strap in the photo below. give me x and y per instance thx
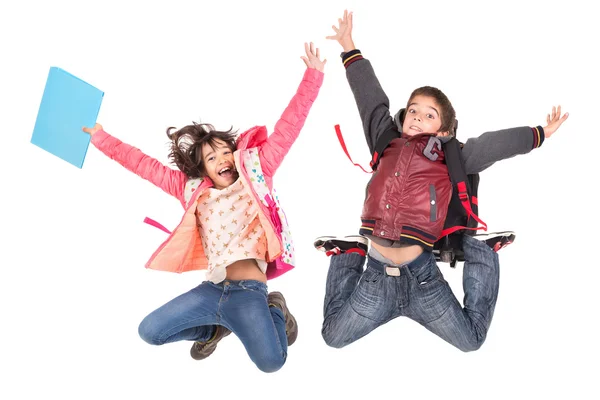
(155, 224)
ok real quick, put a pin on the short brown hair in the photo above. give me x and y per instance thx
(448, 115)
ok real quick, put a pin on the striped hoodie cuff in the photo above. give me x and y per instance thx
(538, 136)
(350, 57)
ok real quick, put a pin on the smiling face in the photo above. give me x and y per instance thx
(219, 164)
(422, 116)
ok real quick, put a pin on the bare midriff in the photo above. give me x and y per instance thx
(399, 255)
(245, 270)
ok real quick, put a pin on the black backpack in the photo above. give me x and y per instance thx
(462, 216)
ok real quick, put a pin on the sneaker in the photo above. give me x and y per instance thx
(497, 240)
(291, 327)
(332, 245)
(201, 350)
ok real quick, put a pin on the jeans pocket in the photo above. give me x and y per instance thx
(370, 299)
(371, 275)
(427, 275)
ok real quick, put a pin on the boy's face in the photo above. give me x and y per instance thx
(219, 164)
(422, 116)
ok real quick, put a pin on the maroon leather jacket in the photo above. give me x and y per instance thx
(407, 198)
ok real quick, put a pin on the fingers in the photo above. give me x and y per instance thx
(313, 57)
(563, 118)
(311, 50)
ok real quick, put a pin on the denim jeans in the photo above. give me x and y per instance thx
(240, 306)
(357, 302)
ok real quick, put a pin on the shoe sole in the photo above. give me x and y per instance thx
(508, 234)
(320, 241)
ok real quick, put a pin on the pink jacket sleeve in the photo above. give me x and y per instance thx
(291, 122)
(170, 180)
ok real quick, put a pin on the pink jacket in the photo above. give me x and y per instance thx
(182, 250)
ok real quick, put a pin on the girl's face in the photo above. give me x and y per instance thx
(422, 116)
(219, 164)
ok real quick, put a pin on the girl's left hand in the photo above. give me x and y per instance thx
(312, 59)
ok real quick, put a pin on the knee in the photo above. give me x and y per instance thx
(332, 339)
(148, 333)
(271, 363)
(471, 345)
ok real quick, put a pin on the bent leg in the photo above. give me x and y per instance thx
(355, 302)
(190, 316)
(260, 328)
(437, 308)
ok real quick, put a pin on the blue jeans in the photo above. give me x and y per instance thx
(357, 302)
(240, 306)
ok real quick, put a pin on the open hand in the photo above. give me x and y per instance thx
(313, 58)
(93, 130)
(554, 121)
(343, 32)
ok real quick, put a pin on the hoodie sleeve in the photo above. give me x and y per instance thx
(482, 152)
(291, 122)
(372, 102)
(170, 180)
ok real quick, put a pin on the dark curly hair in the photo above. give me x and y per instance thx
(448, 115)
(187, 143)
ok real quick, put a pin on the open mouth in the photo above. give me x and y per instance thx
(416, 128)
(226, 172)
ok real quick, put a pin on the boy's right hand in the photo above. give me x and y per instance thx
(554, 122)
(93, 130)
(343, 33)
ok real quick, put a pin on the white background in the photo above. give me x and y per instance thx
(73, 287)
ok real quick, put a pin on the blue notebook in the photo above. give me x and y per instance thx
(68, 104)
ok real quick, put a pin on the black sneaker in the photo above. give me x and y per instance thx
(497, 240)
(201, 350)
(332, 245)
(291, 326)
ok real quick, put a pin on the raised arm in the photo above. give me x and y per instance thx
(292, 120)
(373, 104)
(482, 152)
(170, 180)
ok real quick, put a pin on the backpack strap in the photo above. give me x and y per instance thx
(382, 143)
(458, 177)
(338, 132)
(156, 224)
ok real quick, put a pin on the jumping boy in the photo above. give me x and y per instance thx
(404, 213)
